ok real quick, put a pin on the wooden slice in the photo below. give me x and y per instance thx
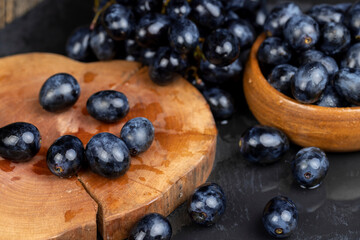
(37, 205)
(331, 129)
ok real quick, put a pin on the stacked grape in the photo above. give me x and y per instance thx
(198, 39)
(314, 57)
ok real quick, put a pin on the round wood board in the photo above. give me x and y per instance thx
(38, 205)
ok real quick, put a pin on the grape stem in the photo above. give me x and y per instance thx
(198, 54)
(99, 12)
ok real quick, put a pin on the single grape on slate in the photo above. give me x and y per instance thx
(263, 144)
(207, 204)
(309, 167)
(280, 217)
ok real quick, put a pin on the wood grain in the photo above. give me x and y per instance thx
(180, 158)
(331, 129)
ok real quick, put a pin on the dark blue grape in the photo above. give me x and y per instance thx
(148, 55)
(231, 16)
(19, 142)
(263, 144)
(207, 204)
(221, 103)
(183, 35)
(342, 7)
(243, 31)
(65, 156)
(352, 57)
(108, 106)
(330, 98)
(118, 21)
(309, 82)
(219, 75)
(260, 16)
(352, 20)
(138, 135)
(301, 32)
(152, 30)
(153, 226)
(148, 6)
(78, 44)
(310, 167)
(280, 78)
(347, 84)
(326, 13)
(274, 51)
(102, 45)
(336, 38)
(316, 56)
(59, 92)
(132, 48)
(208, 13)
(166, 65)
(244, 5)
(178, 9)
(221, 48)
(107, 155)
(280, 217)
(278, 16)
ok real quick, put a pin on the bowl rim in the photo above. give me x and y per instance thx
(256, 67)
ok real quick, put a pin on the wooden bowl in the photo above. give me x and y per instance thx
(331, 129)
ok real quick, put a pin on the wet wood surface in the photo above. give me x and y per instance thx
(38, 205)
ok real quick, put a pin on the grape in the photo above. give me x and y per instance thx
(152, 30)
(243, 31)
(118, 21)
(198, 39)
(220, 75)
(183, 35)
(208, 13)
(148, 6)
(178, 9)
(77, 46)
(102, 44)
(165, 66)
(221, 48)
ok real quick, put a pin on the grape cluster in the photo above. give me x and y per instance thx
(314, 56)
(204, 41)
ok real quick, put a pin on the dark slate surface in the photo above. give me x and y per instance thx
(329, 212)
